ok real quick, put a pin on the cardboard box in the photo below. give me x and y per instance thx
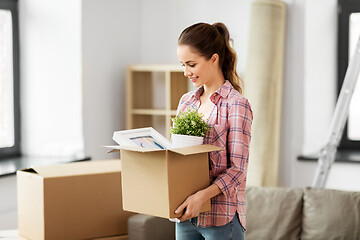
(71, 201)
(157, 181)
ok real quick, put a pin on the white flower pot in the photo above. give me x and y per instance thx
(179, 141)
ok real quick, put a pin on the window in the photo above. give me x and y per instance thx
(9, 80)
(348, 35)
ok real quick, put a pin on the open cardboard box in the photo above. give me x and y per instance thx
(157, 181)
(71, 201)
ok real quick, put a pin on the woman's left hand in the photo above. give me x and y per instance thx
(193, 203)
(192, 206)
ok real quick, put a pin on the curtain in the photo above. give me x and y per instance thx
(263, 88)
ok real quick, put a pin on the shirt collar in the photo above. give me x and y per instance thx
(198, 93)
(223, 91)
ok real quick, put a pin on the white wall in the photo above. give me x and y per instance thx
(50, 75)
(310, 70)
(115, 33)
(73, 59)
(110, 41)
(51, 101)
(293, 92)
(163, 21)
(313, 72)
(236, 15)
(320, 55)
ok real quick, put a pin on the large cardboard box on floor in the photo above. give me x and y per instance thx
(157, 181)
(71, 201)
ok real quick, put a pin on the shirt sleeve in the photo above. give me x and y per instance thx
(183, 103)
(238, 142)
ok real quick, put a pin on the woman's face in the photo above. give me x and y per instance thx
(196, 67)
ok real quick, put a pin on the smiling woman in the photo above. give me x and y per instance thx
(210, 64)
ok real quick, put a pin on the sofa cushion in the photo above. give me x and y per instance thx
(331, 214)
(273, 213)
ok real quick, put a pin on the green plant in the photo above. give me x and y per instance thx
(190, 122)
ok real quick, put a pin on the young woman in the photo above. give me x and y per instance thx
(210, 63)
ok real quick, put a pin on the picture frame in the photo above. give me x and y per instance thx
(142, 137)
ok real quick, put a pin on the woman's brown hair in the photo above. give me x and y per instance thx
(209, 39)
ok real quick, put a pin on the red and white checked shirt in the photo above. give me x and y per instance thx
(231, 119)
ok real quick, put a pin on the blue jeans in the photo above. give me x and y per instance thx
(188, 230)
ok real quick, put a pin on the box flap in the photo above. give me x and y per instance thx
(196, 149)
(132, 148)
(113, 148)
(76, 168)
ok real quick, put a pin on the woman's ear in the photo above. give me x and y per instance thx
(215, 58)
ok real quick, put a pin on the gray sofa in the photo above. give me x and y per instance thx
(278, 213)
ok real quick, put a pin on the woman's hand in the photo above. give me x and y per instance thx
(193, 203)
(192, 206)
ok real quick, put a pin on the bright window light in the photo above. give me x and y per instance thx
(354, 110)
(7, 135)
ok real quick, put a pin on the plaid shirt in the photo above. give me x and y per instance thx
(231, 119)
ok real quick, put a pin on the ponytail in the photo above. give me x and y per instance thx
(210, 39)
(230, 59)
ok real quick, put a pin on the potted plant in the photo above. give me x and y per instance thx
(188, 129)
